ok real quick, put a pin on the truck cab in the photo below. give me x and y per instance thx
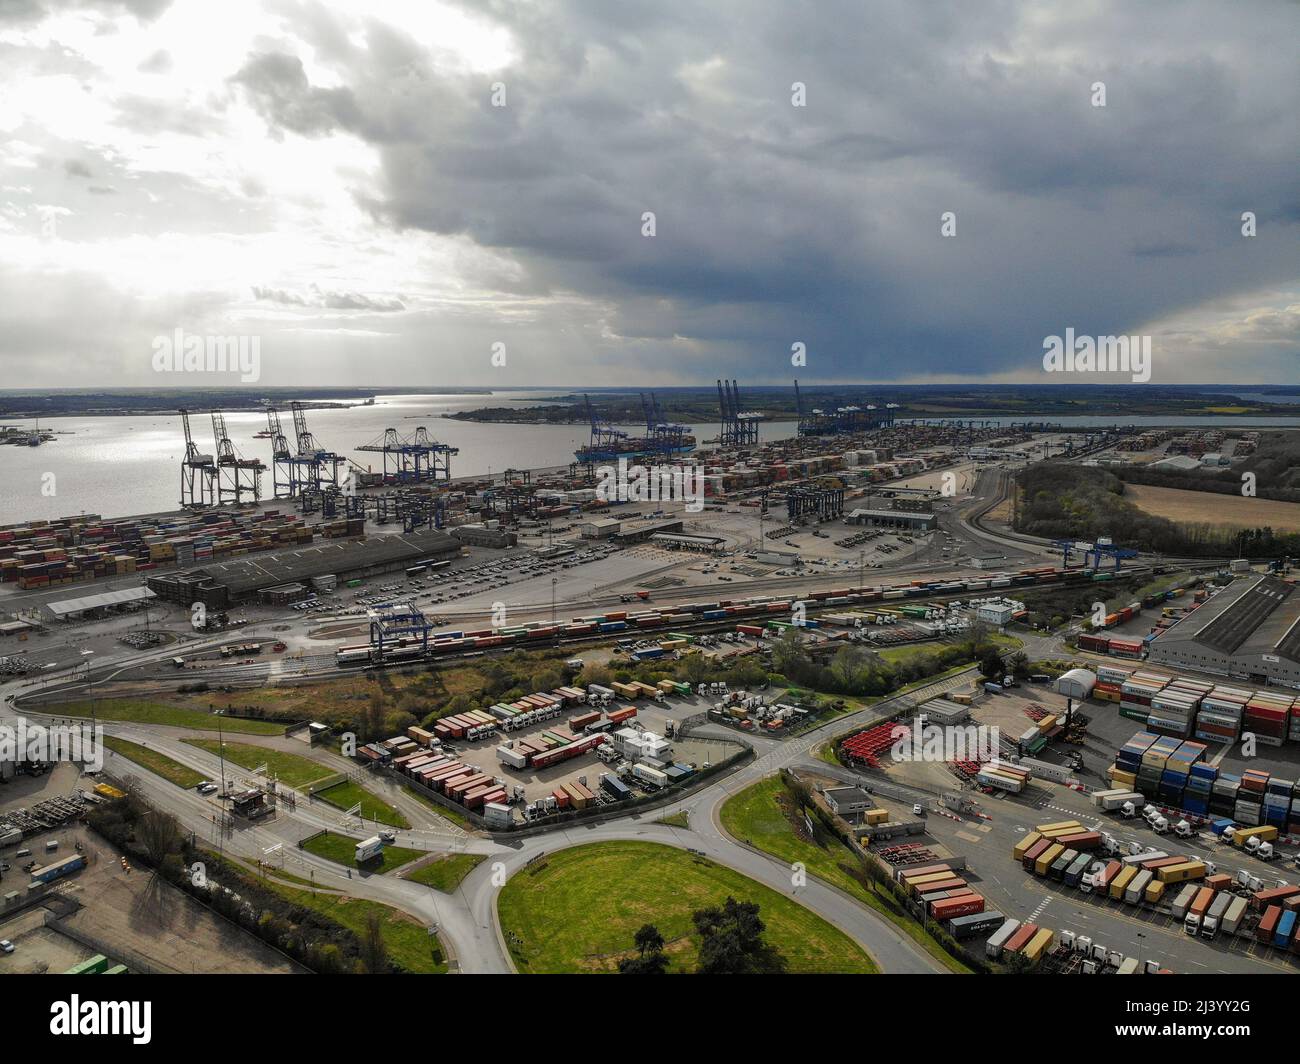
(1128, 810)
(1160, 825)
(1183, 829)
(1191, 924)
(1209, 927)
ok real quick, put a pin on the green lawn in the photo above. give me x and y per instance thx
(141, 711)
(159, 764)
(346, 795)
(753, 816)
(342, 848)
(577, 910)
(445, 872)
(679, 819)
(292, 770)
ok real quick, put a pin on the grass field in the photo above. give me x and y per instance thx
(346, 795)
(578, 909)
(1208, 508)
(292, 770)
(342, 848)
(446, 871)
(141, 711)
(159, 764)
(758, 815)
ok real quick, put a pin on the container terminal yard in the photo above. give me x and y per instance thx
(1114, 825)
(579, 489)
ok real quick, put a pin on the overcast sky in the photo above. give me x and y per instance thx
(335, 179)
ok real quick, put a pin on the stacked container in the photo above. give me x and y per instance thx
(1219, 719)
(1277, 802)
(1200, 788)
(1137, 692)
(1173, 712)
(1249, 808)
(1223, 796)
(1151, 772)
(1268, 716)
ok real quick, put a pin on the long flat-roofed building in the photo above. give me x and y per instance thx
(218, 586)
(1249, 631)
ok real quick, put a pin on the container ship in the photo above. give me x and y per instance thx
(631, 447)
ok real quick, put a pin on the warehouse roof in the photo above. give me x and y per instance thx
(295, 566)
(900, 515)
(1241, 619)
(93, 602)
(1255, 615)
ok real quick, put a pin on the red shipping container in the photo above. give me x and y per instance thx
(946, 910)
(1268, 923)
(1021, 938)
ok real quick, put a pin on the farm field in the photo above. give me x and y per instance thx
(1207, 508)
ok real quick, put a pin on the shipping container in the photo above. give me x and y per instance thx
(998, 940)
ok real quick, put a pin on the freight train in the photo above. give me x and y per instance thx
(619, 621)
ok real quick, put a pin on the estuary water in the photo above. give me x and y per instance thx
(117, 466)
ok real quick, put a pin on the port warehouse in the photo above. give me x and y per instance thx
(219, 586)
(1206, 902)
(1249, 631)
(641, 762)
(100, 605)
(718, 613)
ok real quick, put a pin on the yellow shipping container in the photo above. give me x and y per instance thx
(1039, 944)
(1155, 890)
(1056, 833)
(1045, 828)
(1120, 778)
(1047, 723)
(877, 816)
(933, 877)
(1264, 832)
(1120, 883)
(1022, 847)
(1047, 857)
(1181, 873)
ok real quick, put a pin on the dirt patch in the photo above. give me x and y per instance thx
(137, 915)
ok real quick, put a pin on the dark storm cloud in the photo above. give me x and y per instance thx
(822, 223)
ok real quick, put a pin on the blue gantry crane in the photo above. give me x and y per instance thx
(1102, 547)
(414, 459)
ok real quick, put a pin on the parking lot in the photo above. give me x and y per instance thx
(659, 718)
